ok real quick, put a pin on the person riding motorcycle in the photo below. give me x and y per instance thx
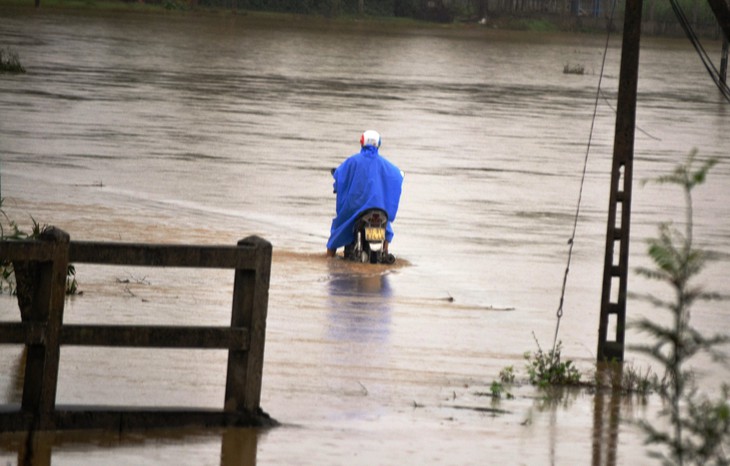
(363, 181)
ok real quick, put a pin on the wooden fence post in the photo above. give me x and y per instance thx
(41, 368)
(42, 331)
(250, 301)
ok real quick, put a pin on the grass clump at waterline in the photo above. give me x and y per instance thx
(9, 62)
(548, 370)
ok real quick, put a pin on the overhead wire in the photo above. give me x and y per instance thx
(647, 134)
(571, 241)
(704, 57)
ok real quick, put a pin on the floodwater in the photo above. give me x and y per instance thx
(206, 129)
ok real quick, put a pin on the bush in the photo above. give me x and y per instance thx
(9, 62)
(546, 369)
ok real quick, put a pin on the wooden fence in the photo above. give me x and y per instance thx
(44, 265)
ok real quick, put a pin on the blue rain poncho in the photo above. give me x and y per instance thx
(364, 181)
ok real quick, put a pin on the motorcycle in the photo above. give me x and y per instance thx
(369, 243)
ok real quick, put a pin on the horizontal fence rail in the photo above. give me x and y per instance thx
(163, 255)
(131, 336)
(41, 267)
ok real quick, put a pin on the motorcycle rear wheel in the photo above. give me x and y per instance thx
(373, 257)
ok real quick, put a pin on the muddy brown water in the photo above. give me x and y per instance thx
(209, 128)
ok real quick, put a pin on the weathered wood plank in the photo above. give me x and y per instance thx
(155, 336)
(130, 336)
(249, 309)
(14, 419)
(134, 418)
(119, 419)
(162, 255)
(41, 369)
(25, 250)
(31, 333)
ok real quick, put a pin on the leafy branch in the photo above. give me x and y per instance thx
(699, 426)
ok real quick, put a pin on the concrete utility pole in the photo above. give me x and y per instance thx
(615, 268)
(722, 12)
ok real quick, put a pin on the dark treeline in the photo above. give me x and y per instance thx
(658, 15)
(433, 10)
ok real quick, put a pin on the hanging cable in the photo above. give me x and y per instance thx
(704, 57)
(571, 241)
(607, 102)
